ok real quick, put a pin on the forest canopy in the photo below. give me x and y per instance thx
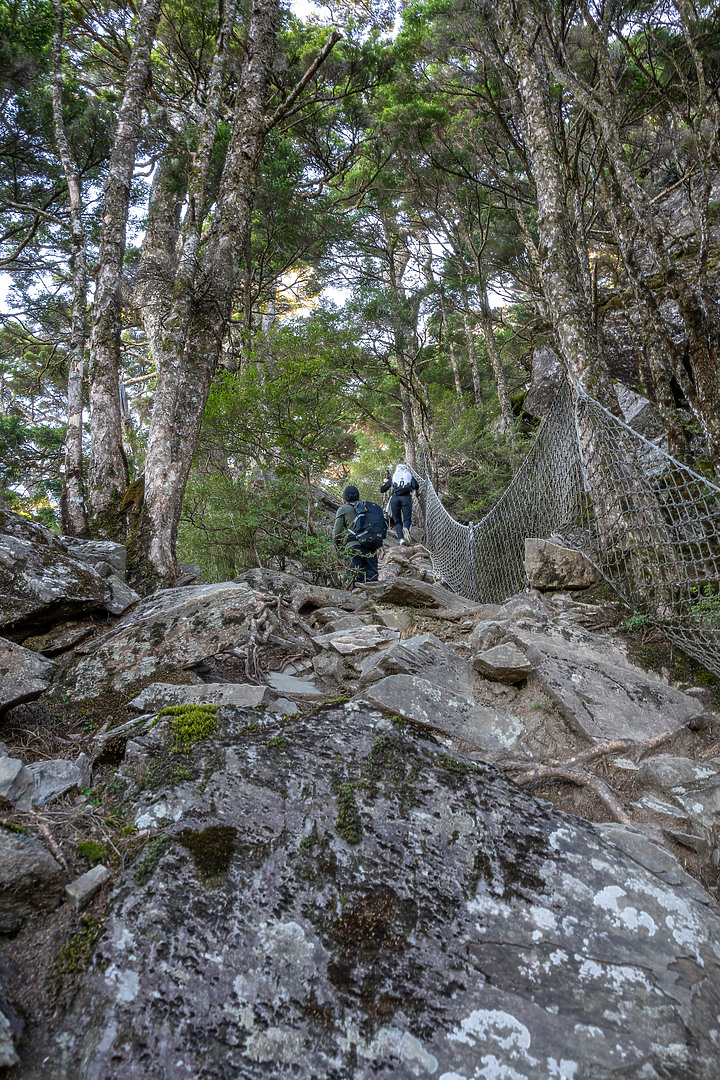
(248, 255)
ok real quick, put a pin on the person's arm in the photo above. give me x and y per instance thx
(414, 486)
(386, 485)
(339, 527)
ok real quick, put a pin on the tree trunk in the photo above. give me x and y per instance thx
(472, 354)
(507, 417)
(574, 331)
(73, 514)
(202, 306)
(451, 346)
(108, 474)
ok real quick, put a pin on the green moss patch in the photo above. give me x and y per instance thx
(212, 850)
(191, 723)
(348, 823)
(149, 863)
(75, 955)
(93, 851)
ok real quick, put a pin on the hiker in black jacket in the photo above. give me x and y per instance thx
(403, 483)
(359, 531)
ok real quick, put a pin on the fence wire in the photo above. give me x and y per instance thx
(648, 523)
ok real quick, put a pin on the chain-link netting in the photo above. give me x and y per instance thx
(648, 523)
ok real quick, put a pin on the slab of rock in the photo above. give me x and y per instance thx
(301, 595)
(80, 891)
(667, 772)
(361, 639)
(15, 780)
(329, 665)
(157, 696)
(503, 663)
(423, 655)
(24, 674)
(121, 595)
(601, 695)
(40, 582)
(468, 931)
(290, 684)
(396, 620)
(414, 593)
(98, 551)
(171, 630)
(61, 638)
(639, 413)
(54, 778)
(348, 622)
(551, 566)
(30, 880)
(434, 706)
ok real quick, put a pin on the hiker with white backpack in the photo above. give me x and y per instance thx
(403, 483)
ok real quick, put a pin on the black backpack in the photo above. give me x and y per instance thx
(369, 528)
(402, 489)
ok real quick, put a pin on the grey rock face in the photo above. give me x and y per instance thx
(157, 696)
(503, 663)
(30, 880)
(423, 655)
(54, 778)
(416, 593)
(121, 595)
(666, 772)
(359, 639)
(467, 932)
(290, 684)
(300, 594)
(599, 695)
(15, 780)
(550, 566)
(80, 891)
(440, 709)
(329, 665)
(40, 583)
(24, 674)
(98, 551)
(170, 630)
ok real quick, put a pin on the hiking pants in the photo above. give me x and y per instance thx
(362, 566)
(401, 510)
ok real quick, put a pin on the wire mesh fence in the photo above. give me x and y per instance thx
(648, 523)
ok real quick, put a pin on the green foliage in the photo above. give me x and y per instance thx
(93, 851)
(635, 622)
(191, 723)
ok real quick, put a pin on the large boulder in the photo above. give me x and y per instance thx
(41, 583)
(341, 899)
(551, 566)
(170, 630)
(99, 553)
(414, 593)
(24, 674)
(31, 880)
(600, 694)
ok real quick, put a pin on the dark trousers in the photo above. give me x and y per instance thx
(362, 565)
(401, 510)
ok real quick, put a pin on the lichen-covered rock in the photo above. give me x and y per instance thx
(61, 638)
(157, 695)
(40, 582)
(24, 674)
(53, 778)
(170, 630)
(343, 900)
(30, 880)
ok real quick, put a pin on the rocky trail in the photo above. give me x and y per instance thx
(264, 828)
